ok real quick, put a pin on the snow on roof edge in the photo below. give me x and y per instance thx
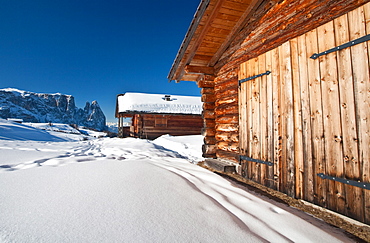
(132, 102)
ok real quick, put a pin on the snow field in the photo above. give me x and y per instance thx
(133, 190)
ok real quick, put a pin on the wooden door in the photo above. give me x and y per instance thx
(304, 128)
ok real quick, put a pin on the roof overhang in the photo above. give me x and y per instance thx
(237, 30)
(210, 33)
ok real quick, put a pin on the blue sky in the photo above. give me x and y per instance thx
(93, 49)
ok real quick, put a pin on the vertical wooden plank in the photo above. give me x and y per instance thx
(306, 121)
(354, 197)
(249, 117)
(331, 115)
(270, 123)
(243, 117)
(119, 127)
(263, 119)
(242, 110)
(275, 75)
(287, 124)
(256, 123)
(360, 67)
(297, 115)
(366, 164)
(282, 122)
(317, 125)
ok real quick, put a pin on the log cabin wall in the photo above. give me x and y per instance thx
(151, 126)
(227, 115)
(310, 117)
(209, 146)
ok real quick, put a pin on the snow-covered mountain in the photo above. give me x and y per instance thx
(112, 127)
(56, 108)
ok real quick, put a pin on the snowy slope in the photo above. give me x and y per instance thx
(35, 132)
(188, 146)
(133, 190)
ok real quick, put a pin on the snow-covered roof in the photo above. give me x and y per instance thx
(159, 103)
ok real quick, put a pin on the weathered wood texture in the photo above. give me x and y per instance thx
(310, 116)
(306, 117)
(151, 126)
(234, 31)
(274, 22)
(227, 115)
(208, 114)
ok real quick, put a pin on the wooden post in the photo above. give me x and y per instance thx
(120, 128)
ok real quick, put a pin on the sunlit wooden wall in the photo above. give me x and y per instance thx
(311, 116)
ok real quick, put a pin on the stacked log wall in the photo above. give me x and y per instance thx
(208, 115)
(151, 126)
(270, 27)
(227, 115)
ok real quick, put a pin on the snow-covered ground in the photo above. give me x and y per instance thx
(55, 187)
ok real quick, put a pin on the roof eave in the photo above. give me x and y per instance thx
(188, 37)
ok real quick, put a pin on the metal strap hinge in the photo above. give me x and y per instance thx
(253, 77)
(364, 185)
(348, 44)
(242, 157)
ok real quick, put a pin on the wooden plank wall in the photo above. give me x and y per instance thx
(311, 116)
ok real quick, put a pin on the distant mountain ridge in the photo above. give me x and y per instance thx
(57, 108)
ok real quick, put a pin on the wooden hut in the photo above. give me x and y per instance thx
(286, 93)
(153, 115)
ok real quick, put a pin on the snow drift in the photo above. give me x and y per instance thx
(133, 190)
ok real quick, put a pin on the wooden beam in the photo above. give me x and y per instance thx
(265, 30)
(189, 77)
(191, 69)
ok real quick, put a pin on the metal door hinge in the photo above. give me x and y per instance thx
(348, 44)
(253, 77)
(364, 185)
(242, 157)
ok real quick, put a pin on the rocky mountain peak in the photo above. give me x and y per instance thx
(56, 108)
